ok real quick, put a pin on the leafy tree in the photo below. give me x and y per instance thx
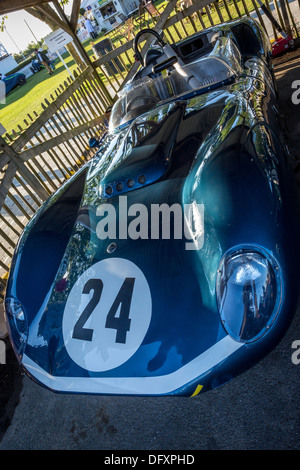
(18, 57)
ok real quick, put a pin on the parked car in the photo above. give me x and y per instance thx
(169, 263)
(13, 81)
(36, 66)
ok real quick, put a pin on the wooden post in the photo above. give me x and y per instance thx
(7, 6)
(75, 14)
(30, 178)
(287, 25)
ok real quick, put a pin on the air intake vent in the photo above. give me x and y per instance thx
(120, 187)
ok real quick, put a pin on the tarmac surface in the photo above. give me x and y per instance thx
(259, 410)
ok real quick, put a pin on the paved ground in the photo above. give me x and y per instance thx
(258, 410)
(294, 7)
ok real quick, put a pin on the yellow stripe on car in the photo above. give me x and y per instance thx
(198, 390)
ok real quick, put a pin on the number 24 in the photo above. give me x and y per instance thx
(121, 323)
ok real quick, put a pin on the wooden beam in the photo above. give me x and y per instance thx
(82, 50)
(59, 139)
(113, 54)
(26, 173)
(75, 14)
(6, 181)
(7, 6)
(53, 16)
(196, 6)
(68, 28)
(287, 25)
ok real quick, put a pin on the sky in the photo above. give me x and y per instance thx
(17, 35)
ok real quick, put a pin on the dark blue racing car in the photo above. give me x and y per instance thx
(169, 263)
(13, 81)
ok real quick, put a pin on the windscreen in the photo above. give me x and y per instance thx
(141, 95)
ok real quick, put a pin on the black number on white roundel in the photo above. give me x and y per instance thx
(79, 331)
(120, 323)
(107, 314)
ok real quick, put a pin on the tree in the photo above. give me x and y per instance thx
(18, 57)
(31, 47)
(2, 21)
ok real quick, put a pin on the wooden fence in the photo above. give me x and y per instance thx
(118, 65)
(40, 155)
(37, 157)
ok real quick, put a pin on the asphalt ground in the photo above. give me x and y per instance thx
(259, 410)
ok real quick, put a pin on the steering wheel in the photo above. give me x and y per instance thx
(149, 99)
(137, 53)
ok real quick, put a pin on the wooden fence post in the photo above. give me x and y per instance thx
(30, 178)
(81, 49)
(287, 25)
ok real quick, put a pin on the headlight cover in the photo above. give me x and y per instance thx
(249, 292)
(17, 324)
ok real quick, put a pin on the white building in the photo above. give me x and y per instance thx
(109, 13)
(7, 62)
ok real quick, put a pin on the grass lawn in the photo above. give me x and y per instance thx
(26, 99)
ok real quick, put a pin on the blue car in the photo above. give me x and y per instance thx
(169, 263)
(13, 81)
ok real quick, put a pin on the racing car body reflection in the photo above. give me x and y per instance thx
(139, 307)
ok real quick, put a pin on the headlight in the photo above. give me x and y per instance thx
(17, 324)
(248, 293)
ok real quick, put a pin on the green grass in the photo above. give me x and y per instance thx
(26, 99)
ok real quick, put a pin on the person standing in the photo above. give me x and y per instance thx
(44, 60)
(89, 27)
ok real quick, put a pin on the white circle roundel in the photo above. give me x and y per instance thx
(107, 314)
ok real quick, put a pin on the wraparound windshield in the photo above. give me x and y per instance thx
(143, 94)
